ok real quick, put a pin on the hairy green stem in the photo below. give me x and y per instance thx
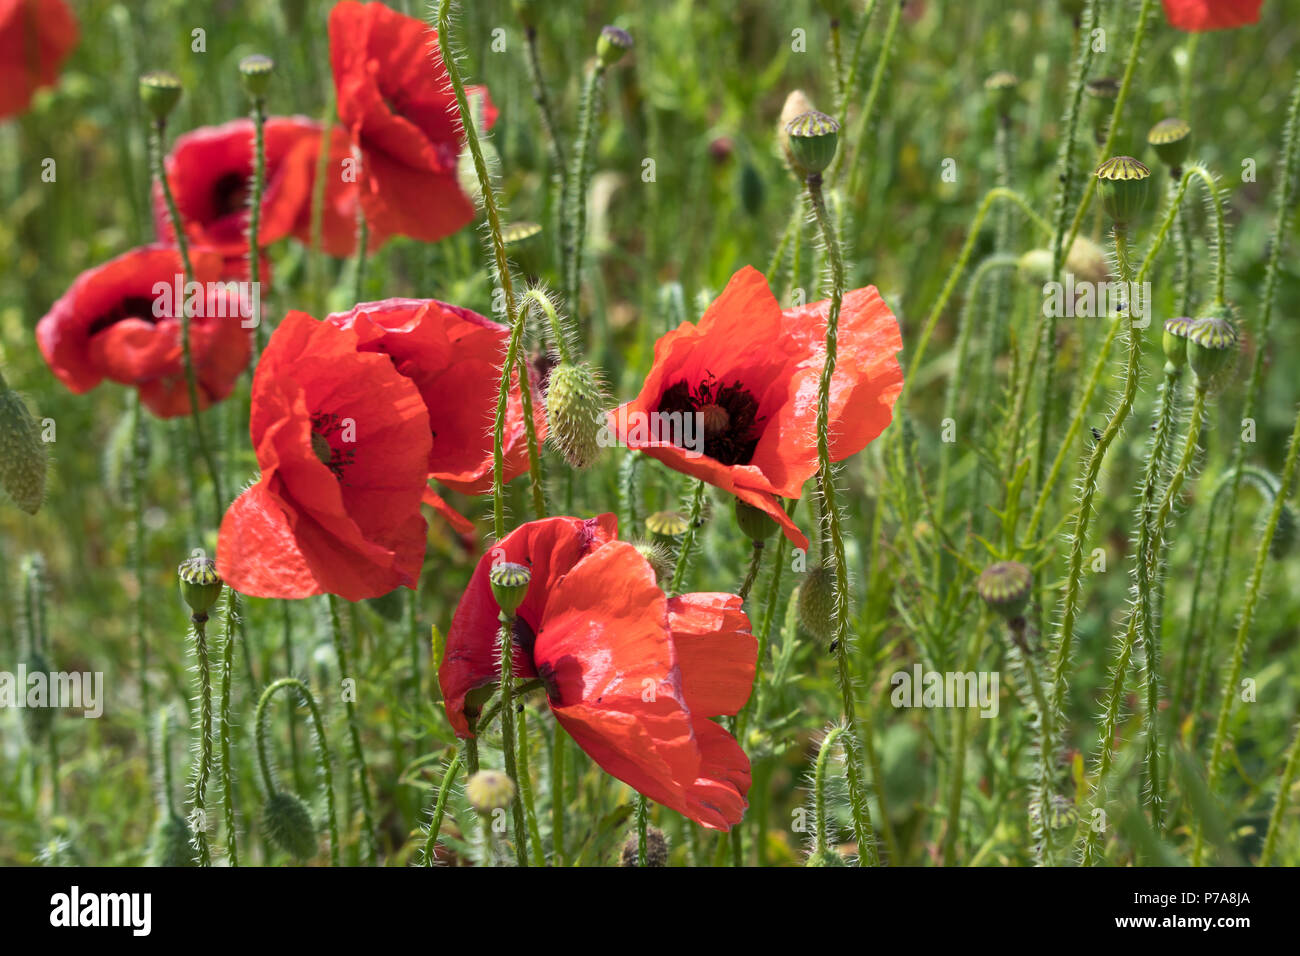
(439, 810)
(369, 838)
(227, 749)
(199, 784)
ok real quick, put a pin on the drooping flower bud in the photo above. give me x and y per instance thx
(612, 44)
(575, 406)
(817, 603)
(658, 557)
(755, 523)
(814, 137)
(1122, 184)
(489, 790)
(1174, 340)
(1211, 344)
(200, 586)
(509, 585)
(23, 461)
(1172, 140)
(255, 73)
(1005, 587)
(160, 91)
(656, 848)
(288, 825)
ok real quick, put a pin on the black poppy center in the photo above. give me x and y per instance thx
(323, 425)
(728, 416)
(129, 307)
(229, 195)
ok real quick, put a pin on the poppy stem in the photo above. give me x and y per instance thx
(157, 132)
(526, 787)
(439, 810)
(755, 562)
(139, 465)
(254, 224)
(688, 539)
(286, 616)
(363, 242)
(642, 825)
(530, 433)
(227, 776)
(867, 115)
(354, 731)
(199, 784)
(314, 263)
(558, 741)
(1283, 797)
(578, 181)
(508, 734)
(858, 792)
(322, 751)
(821, 839)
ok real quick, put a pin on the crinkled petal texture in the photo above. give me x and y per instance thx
(119, 321)
(632, 675)
(396, 102)
(36, 37)
(454, 357)
(777, 357)
(342, 439)
(1197, 16)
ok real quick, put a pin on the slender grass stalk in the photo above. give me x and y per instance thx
(359, 263)
(369, 838)
(1283, 799)
(559, 741)
(322, 751)
(439, 810)
(317, 226)
(227, 749)
(961, 724)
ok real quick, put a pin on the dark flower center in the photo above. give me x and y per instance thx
(323, 425)
(229, 195)
(728, 413)
(130, 307)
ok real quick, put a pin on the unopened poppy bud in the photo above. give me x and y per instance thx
(23, 460)
(1122, 183)
(171, 842)
(755, 523)
(200, 586)
(656, 848)
(255, 73)
(160, 91)
(509, 585)
(1172, 140)
(612, 44)
(1035, 266)
(1086, 261)
(658, 557)
(1001, 88)
(667, 526)
(814, 137)
(817, 603)
(1211, 344)
(1174, 340)
(489, 790)
(825, 857)
(1005, 587)
(288, 825)
(575, 405)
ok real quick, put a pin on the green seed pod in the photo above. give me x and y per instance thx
(289, 826)
(825, 857)
(1122, 184)
(1174, 340)
(1001, 89)
(1005, 588)
(200, 586)
(814, 137)
(171, 842)
(37, 721)
(756, 524)
(667, 526)
(575, 406)
(817, 603)
(160, 91)
(656, 848)
(255, 73)
(750, 187)
(23, 461)
(489, 790)
(796, 104)
(509, 585)
(612, 44)
(1172, 140)
(1211, 344)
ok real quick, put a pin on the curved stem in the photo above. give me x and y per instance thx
(439, 810)
(822, 842)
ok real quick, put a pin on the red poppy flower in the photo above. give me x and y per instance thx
(454, 357)
(210, 171)
(118, 321)
(396, 101)
(631, 674)
(36, 36)
(1197, 16)
(749, 375)
(342, 439)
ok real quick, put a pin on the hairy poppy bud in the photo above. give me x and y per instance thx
(1211, 344)
(255, 73)
(160, 91)
(825, 857)
(171, 842)
(489, 790)
(288, 825)
(509, 585)
(1172, 140)
(756, 524)
(814, 137)
(22, 453)
(612, 43)
(817, 603)
(1174, 340)
(1005, 587)
(200, 586)
(658, 557)
(1122, 184)
(575, 404)
(656, 848)
(1001, 88)
(667, 526)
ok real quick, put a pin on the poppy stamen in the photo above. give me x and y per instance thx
(335, 459)
(728, 414)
